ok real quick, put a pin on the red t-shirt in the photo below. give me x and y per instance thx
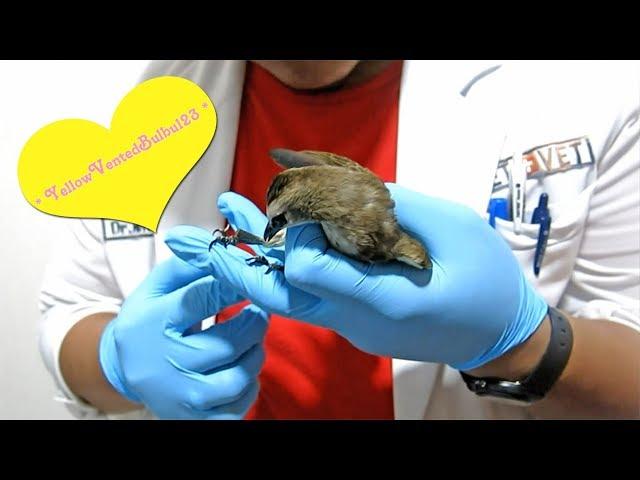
(311, 372)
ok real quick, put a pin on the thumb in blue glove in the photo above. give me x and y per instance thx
(146, 356)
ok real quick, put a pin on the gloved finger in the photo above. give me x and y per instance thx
(197, 301)
(442, 226)
(269, 291)
(225, 385)
(232, 411)
(221, 344)
(316, 268)
(169, 276)
(243, 214)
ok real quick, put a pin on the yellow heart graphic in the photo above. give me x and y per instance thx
(78, 168)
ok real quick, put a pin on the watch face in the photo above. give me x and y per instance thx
(507, 392)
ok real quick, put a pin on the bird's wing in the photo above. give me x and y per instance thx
(307, 158)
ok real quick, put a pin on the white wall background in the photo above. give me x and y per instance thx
(32, 94)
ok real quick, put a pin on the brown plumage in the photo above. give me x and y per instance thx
(350, 202)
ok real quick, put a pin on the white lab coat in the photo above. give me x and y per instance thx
(456, 121)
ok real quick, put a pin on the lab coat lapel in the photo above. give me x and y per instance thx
(446, 148)
(194, 201)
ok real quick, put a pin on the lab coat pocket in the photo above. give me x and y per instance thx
(568, 220)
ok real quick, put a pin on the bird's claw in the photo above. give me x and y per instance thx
(221, 237)
(261, 260)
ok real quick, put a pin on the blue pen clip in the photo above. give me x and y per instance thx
(498, 207)
(541, 216)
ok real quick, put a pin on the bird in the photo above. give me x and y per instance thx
(351, 204)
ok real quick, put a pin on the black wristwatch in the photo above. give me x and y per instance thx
(544, 375)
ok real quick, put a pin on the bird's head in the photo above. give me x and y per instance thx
(288, 201)
(320, 187)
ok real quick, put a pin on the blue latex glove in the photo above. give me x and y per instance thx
(471, 307)
(206, 375)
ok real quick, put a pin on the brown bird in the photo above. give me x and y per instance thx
(351, 204)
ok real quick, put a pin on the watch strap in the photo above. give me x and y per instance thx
(538, 383)
(555, 358)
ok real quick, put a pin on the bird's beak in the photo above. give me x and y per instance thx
(270, 231)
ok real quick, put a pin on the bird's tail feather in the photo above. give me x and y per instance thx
(408, 250)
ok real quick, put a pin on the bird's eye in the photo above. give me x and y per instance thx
(279, 221)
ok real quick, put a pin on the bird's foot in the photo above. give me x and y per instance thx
(260, 260)
(221, 237)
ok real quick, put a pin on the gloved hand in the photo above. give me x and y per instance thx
(206, 375)
(471, 307)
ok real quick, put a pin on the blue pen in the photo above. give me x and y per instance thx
(541, 216)
(498, 207)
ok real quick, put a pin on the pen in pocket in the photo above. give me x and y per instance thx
(542, 217)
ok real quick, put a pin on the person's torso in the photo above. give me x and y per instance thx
(309, 371)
